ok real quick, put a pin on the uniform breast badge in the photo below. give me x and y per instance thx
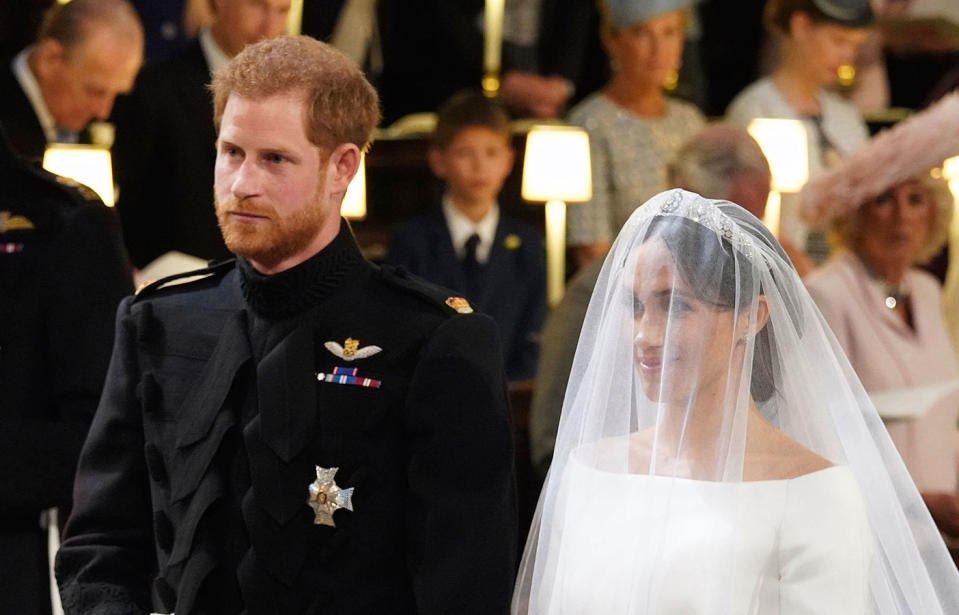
(460, 304)
(10, 222)
(326, 497)
(350, 350)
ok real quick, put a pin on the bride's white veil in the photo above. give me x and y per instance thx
(716, 452)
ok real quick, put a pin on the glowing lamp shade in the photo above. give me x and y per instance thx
(784, 144)
(294, 18)
(556, 169)
(354, 201)
(556, 165)
(950, 169)
(950, 172)
(86, 164)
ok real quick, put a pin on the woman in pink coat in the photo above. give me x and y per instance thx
(891, 215)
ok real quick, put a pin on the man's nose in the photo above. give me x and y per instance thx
(246, 181)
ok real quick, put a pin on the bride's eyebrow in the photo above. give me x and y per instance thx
(667, 293)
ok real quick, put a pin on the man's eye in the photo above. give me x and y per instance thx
(275, 158)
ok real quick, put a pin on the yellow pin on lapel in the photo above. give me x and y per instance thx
(512, 242)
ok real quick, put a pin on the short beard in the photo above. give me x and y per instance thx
(282, 238)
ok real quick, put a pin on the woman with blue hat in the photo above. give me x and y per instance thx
(634, 128)
(815, 38)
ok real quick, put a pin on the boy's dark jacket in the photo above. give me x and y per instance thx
(512, 286)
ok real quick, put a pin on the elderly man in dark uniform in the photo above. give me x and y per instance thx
(86, 52)
(296, 431)
(63, 271)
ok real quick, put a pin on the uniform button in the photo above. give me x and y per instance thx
(155, 465)
(163, 529)
(148, 391)
(165, 593)
(145, 323)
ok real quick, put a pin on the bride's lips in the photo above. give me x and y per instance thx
(650, 364)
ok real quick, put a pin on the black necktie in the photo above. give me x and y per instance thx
(471, 266)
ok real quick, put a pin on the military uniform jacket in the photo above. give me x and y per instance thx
(193, 485)
(63, 271)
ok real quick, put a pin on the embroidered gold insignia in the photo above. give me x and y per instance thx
(460, 304)
(512, 242)
(326, 497)
(10, 222)
(350, 350)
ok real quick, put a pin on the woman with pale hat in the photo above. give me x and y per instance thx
(889, 214)
(814, 38)
(634, 128)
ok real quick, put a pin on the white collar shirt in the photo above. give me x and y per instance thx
(214, 55)
(28, 82)
(462, 228)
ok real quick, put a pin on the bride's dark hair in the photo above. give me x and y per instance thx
(707, 262)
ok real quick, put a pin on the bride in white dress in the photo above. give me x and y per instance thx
(716, 452)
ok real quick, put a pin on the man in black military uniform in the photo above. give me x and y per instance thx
(297, 431)
(63, 271)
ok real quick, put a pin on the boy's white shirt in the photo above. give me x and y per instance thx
(461, 228)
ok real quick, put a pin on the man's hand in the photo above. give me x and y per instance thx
(530, 95)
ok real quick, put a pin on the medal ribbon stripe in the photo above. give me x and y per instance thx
(346, 375)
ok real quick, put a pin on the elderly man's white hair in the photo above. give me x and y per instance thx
(716, 157)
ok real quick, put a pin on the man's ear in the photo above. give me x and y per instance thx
(48, 54)
(800, 25)
(437, 162)
(342, 165)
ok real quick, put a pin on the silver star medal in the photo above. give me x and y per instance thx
(326, 497)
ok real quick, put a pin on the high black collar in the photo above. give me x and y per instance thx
(299, 288)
